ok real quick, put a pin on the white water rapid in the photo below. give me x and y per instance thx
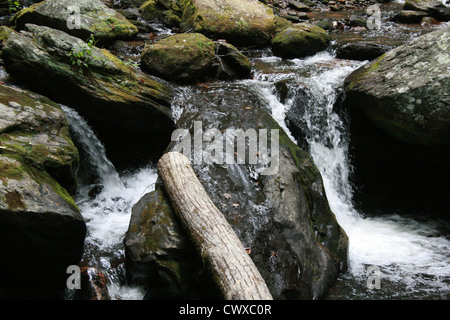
(414, 259)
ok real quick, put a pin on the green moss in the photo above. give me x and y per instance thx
(42, 177)
(9, 170)
(358, 75)
(14, 201)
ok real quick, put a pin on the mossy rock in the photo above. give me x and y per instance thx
(191, 57)
(282, 216)
(300, 40)
(95, 18)
(166, 12)
(241, 22)
(412, 111)
(182, 57)
(39, 220)
(159, 257)
(5, 32)
(104, 87)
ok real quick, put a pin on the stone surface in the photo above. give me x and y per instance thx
(94, 81)
(193, 57)
(40, 224)
(300, 40)
(405, 91)
(283, 219)
(241, 22)
(94, 17)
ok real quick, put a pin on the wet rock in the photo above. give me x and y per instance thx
(98, 84)
(95, 18)
(404, 92)
(361, 50)
(192, 57)
(428, 21)
(326, 24)
(41, 226)
(167, 12)
(233, 63)
(434, 8)
(159, 256)
(410, 16)
(300, 40)
(282, 218)
(5, 32)
(94, 284)
(299, 6)
(240, 22)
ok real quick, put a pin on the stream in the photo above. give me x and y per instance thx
(413, 256)
(411, 251)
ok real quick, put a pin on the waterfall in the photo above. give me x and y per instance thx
(412, 256)
(107, 213)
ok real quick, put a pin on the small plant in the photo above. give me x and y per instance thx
(131, 63)
(84, 57)
(14, 6)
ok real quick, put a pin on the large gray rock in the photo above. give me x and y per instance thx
(94, 81)
(41, 227)
(283, 218)
(405, 91)
(95, 18)
(241, 22)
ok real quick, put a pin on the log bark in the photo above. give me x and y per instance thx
(219, 246)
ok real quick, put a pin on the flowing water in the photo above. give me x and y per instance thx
(105, 203)
(412, 255)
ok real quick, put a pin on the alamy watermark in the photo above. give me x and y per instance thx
(374, 19)
(74, 20)
(74, 280)
(230, 146)
(373, 277)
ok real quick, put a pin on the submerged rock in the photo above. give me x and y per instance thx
(192, 56)
(300, 40)
(93, 17)
(405, 91)
(92, 80)
(41, 226)
(283, 218)
(241, 22)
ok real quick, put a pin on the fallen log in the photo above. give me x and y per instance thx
(221, 250)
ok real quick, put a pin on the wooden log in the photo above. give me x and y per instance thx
(220, 248)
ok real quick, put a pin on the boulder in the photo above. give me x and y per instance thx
(241, 22)
(299, 6)
(191, 57)
(405, 91)
(434, 8)
(167, 12)
(5, 32)
(300, 40)
(41, 226)
(361, 50)
(159, 256)
(410, 16)
(282, 217)
(92, 80)
(94, 17)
